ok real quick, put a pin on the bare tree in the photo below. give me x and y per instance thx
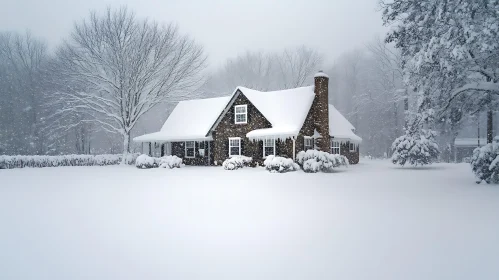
(296, 66)
(267, 71)
(115, 68)
(252, 69)
(22, 58)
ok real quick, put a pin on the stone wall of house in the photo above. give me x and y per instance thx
(353, 157)
(306, 130)
(178, 149)
(228, 128)
(320, 111)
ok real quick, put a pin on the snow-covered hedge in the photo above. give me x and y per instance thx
(418, 148)
(237, 162)
(145, 162)
(8, 162)
(485, 163)
(313, 161)
(277, 164)
(170, 162)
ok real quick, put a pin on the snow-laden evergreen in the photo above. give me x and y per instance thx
(450, 55)
(276, 164)
(485, 163)
(415, 148)
(313, 161)
(236, 162)
(8, 162)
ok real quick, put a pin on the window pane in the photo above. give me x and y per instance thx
(190, 152)
(240, 118)
(234, 151)
(189, 144)
(234, 142)
(308, 142)
(240, 109)
(269, 151)
(269, 142)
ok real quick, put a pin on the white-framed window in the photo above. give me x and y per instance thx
(234, 146)
(308, 143)
(335, 147)
(352, 147)
(268, 147)
(190, 149)
(241, 114)
(201, 148)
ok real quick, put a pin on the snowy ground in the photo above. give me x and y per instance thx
(370, 221)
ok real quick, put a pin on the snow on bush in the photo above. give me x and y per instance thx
(144, 161)
(485, 163)
(8, 162)
(313, 161)
(170, 162)
(236, 162)
(418, 148)
(277, 164)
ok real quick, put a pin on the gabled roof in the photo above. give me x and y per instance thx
(190, 120)
(340, 127)
(286, 110)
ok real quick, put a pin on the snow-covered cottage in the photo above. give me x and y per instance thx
(256, 124)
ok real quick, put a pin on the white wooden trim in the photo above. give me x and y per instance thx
(245, 114)
(331, 146)
(234, 138)
(264, 156)
(185, 149)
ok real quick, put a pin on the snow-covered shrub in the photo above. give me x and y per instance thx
(236, 162)
(8, 162)
(313, 161)
(277, 164)
(144, 161)
(170, 162)
(485, 163)
(418, 148)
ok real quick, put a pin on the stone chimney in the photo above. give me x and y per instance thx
(320, 111)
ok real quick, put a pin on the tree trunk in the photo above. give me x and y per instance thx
(126, 146)
(490, 125)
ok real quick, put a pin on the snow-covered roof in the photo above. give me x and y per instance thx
(190, 120)
(286, 110)
(340, 127)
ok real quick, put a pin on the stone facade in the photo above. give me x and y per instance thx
(317, 119)
(178, 149)
(228, 128)
(320, 111)
(352, 156)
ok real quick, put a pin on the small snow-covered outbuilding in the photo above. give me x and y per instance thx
(257, 124)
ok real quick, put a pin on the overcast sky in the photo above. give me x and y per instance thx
(224, 27)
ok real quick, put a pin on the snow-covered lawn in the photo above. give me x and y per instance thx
(369, 221)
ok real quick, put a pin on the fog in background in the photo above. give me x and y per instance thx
(257, 44)
(225, 28)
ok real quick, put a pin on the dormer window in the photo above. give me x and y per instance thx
(241, 114)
